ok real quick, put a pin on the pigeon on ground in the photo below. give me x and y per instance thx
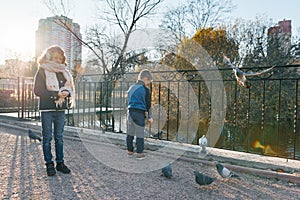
(34, 136)
(241, 76)
(203, 143)
(224, 172)
(202, 179)
(157, 135)
(167, 171)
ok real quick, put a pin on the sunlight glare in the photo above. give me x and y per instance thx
(17, 40)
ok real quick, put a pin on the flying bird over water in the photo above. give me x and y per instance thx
(241, 76)
(202, 179)
(203, 143)
(33, 135)
(224, 172)
(167, 171)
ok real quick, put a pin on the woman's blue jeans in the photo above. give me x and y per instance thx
(57, 118)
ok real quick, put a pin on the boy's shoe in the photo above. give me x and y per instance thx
(140, 156)
(50, 169)
(129, 153)
(62, 168)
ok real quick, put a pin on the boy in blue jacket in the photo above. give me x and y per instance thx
(139, 109)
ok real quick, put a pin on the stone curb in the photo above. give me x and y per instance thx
(238, 161)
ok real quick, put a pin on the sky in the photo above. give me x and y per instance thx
(19, 19)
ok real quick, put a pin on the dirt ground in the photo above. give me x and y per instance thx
(23, 176)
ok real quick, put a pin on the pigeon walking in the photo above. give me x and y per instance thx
(202, 179)
(224, 172)
(203, 143)
(241, 76)
(167, 171)
(157, 135)
(34, 136)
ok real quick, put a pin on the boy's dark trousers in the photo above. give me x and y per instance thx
(136, 126)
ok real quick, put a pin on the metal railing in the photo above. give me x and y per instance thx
(262, 119)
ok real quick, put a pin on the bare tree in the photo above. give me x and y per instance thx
(62, 8)
(186, 19)
(252, 38)
(15, 66)
(207, 13)
(174, 21)
(295, 51)
(102, 45)
(125, 14)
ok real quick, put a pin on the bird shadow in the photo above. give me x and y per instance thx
(33, 145)
(172, 179)
(213, 186)
(168, 179)
(228, 180)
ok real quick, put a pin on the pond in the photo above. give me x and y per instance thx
(277, 139)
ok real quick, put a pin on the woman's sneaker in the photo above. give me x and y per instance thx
(50, 169)
(62, 168)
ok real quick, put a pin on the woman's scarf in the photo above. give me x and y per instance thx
(52, 83)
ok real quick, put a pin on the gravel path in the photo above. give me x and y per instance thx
(23, 176)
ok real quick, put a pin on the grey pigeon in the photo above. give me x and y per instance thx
(203, 143)
(224, 172)
(34, 136)
(202, 179)
(241, 76)
(158, 135)
(167, 171)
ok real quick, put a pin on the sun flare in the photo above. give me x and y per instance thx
(16, 40)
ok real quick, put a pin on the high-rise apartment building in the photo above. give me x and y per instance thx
(280, 36)
(59, 30)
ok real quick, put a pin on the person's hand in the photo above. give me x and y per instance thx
(63, 94)
(150, 120)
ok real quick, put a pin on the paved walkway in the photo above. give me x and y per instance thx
(102, 170)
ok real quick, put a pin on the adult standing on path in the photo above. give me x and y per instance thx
(54, 86)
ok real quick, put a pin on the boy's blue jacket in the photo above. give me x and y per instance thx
(139, 98)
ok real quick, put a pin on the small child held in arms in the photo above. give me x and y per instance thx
(139, 108)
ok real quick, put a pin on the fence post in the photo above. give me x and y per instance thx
(18, 97)
(23, 98)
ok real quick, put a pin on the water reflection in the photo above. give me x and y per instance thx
(266, 149)
(273, 140)
(277, 139)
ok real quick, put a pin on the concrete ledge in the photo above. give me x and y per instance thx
(245, 162)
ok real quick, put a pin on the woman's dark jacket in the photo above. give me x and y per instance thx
(47, 98)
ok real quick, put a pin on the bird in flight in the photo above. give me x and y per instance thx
(241, 76)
